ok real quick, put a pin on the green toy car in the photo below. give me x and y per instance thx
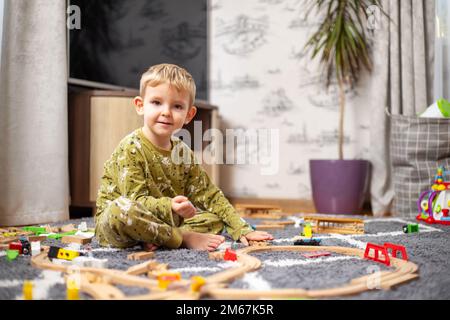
(410, 228)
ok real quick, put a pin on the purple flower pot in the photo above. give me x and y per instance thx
(339, 186)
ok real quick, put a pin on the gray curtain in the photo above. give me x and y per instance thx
(34, 178)
(442, 52)
(402, 81)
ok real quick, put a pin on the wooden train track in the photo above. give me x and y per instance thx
(99, 283)
(325, 224)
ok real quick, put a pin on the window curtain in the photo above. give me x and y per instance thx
(442, 53)
(34, 178)
(2, 3)
(402, 81)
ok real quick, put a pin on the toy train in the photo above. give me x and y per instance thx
(307, 242)
(23, 246)
(434, 204)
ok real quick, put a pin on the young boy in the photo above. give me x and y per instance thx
(147, 197)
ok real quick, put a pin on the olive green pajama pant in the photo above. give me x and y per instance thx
(126, 223)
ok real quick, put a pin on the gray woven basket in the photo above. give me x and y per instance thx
(418, 146)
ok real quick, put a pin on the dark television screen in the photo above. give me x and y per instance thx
(120, 39)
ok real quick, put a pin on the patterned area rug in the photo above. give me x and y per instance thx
(428, 249)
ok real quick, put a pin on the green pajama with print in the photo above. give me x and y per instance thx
(134, 199)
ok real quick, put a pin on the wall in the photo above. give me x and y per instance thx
(260, 78)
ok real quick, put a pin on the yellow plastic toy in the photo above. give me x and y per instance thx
(164, 279)
(197, 283)
(67, 254)
(27, 290)
(307, 230)
(9, 234)
(72, 290)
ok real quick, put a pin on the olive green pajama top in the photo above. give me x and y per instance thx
(138, 183)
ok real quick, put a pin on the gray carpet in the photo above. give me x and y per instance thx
(428, 249)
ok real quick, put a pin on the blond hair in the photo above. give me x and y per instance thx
(172, 74)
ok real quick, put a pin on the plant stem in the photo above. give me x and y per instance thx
(341, 117)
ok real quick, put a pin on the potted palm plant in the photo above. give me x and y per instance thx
(340, 42)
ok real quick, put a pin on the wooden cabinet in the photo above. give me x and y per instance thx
(98, 120)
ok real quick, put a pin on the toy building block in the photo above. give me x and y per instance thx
(12, 254)
(27, 290)
(396, 248)
(230, 255)
(68, 228)
(82, 227)
(35, 248)
(89, 262)
(316, 254)
(410, 228)
(377, 251)
(144, 255)
(197, 282)
(37, 238)
(164, 279)
(61, 262)
(307, 242)
(73, 246)
(76, 239)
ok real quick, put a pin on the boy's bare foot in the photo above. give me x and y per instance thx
(201, 241)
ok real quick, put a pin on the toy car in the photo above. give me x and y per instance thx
(410, 228)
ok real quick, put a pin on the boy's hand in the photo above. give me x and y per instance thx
(183, 207)
(256, 236)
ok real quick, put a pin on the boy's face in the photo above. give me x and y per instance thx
(165, 109)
